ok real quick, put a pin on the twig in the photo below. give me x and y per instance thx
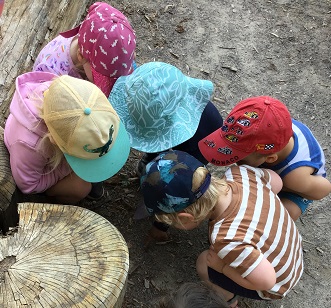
(218, 99)
(274, 34)
(174, 55)
(147, 18)
(255, 49)
(168, 6)
(308, 242)
(224, 47)
(231, 68)
(155, 285)
(319, 250)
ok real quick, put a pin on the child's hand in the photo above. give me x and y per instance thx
(214, 261)
(156, 235)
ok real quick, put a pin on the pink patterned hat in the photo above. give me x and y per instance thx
(107, 40)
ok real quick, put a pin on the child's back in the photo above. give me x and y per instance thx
(259, 131)
(257, 226)
(100, 49)
(256, 250)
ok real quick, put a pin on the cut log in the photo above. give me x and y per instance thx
(25, 27)
(62, 256)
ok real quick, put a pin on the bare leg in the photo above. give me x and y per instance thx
(202, 269)
(70, 189)
(292, 208)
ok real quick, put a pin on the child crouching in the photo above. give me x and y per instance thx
(256, 250)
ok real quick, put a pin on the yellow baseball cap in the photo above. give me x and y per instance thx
(86, 128)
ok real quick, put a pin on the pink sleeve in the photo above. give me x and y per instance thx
(30, 171)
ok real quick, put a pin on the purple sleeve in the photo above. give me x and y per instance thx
(55, 57)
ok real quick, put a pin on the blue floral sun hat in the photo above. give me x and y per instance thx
(159, 106)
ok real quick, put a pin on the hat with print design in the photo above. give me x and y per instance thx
(86, 128)
(160, 106)
(257, 124)
(167, 182)
(107, 40)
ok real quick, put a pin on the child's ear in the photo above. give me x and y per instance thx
(271, 158)
(80, 56)
(51, 139)
(185, 217)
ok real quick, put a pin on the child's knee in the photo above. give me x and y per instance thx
(83, 189)
(296, 206)
(201, 266)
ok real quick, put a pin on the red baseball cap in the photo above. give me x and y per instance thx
(257, 124)
(107, 40)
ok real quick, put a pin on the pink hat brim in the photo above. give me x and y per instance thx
(70, 33)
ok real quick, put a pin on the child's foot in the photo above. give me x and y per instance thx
(233, 302)
(96, 192)
(156, 235)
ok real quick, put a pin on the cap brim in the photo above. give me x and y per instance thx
(70, 33)
(179, 129)
(217, 151)
(102, 168)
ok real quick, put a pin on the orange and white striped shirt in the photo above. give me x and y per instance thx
(256, 225)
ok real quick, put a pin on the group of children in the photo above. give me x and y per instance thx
(74, 118)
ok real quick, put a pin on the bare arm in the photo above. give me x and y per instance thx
(275, 181)
(263, 277)
(302, 182)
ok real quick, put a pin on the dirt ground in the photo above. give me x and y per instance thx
(247, 48)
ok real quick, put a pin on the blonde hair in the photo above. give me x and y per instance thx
(205, 204)
(56, 154)
(45, 141)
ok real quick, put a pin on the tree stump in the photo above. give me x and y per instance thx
(25, 27)
(62, 256)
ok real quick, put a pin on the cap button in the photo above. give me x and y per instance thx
(267, 102)
(87, 111)
(115, 19)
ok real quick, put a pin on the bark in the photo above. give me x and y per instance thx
(25, 27)
(8, 193)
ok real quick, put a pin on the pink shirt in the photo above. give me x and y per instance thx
(23, 132)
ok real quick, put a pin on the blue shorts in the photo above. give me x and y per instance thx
(229, 285)
(301, 202)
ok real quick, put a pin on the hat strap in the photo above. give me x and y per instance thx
(204, 186)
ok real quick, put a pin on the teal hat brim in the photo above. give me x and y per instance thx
(104, 167)
(168, 132)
